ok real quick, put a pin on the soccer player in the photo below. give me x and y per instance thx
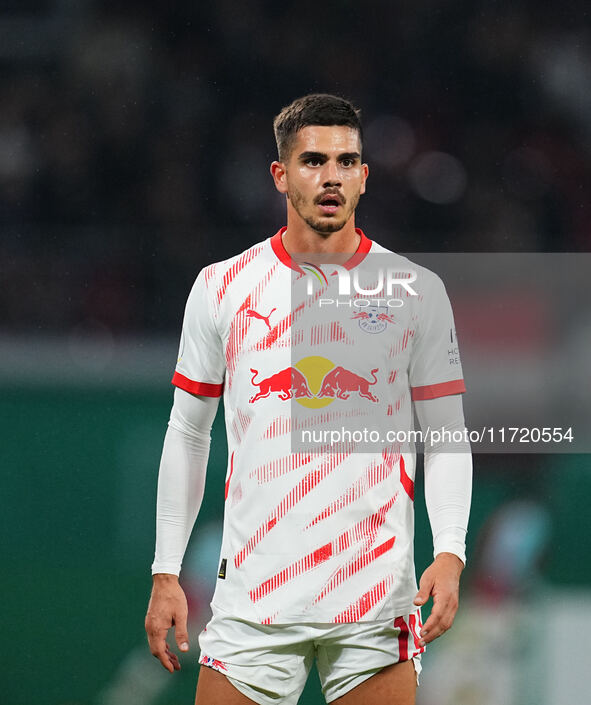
(317, 550)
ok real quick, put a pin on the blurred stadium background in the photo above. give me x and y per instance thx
(135, 140)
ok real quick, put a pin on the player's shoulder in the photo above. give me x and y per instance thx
(217, 271)
(424, 276)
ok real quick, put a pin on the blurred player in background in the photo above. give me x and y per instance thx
(317, 554)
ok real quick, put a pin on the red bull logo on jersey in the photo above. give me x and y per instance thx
(340, 382)
(315, 382)
(289, 383)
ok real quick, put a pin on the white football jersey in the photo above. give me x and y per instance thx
(323, 533)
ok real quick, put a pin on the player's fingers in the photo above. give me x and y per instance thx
(173, 658)
(160, 649)
(156, 639)
(445, 606)
(433, 622)
(434, 633)
(181, 633)
(425, 587)
(438, 623)
(175, 663)
(165, 660)
(447, 617)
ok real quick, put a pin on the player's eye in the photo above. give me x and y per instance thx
(348, 162)
(313, 161)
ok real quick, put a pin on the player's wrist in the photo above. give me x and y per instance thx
(162, 578)
(450, 559)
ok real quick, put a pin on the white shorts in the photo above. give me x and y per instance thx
(271, 663)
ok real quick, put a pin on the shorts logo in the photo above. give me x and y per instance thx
(213, 663)
(374, 319)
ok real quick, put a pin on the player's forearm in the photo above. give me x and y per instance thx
(448, 490)
(181, 479)
(448, 473)
(181, 484)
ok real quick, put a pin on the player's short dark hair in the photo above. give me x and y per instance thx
(313, 109)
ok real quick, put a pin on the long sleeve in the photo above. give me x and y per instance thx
(448, 473)
(181, 477)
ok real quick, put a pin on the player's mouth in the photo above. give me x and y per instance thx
(329, 203)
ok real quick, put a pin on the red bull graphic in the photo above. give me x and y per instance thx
(314, 382)
(289, 383)
(340, 382)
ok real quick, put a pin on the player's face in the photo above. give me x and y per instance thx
(324, 177)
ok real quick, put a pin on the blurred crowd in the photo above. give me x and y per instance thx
(135, 138)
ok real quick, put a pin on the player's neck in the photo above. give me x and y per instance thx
(300, 241)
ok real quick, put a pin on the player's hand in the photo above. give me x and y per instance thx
(167, 607)
(442, 581)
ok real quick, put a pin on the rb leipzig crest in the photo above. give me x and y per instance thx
(374, 319)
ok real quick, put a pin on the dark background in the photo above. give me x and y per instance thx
(135, 138)
(135, 141)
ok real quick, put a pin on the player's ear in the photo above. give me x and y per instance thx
(365, 170)
(278, 172)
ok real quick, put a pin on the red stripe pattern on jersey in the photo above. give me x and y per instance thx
(323, 333)
(361, 560)
(238, 329)
(240, 424)
(395, 408)
(354, 612)
(400, 345)
(364, 531)
(407, 483)
(229, 476)
(372, 475)
(235, 268)
(326, 417)
(306, 484)
(241, 323)
(280, 466)
(281, 425)
(274, 336)
(210, 272)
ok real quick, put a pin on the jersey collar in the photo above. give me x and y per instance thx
(357, 257)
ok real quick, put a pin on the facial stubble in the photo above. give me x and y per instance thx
(323, 226)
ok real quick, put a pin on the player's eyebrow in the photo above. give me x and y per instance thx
(350, 155)
(304, 156)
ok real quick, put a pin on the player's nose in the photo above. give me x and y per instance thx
(331, 174)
